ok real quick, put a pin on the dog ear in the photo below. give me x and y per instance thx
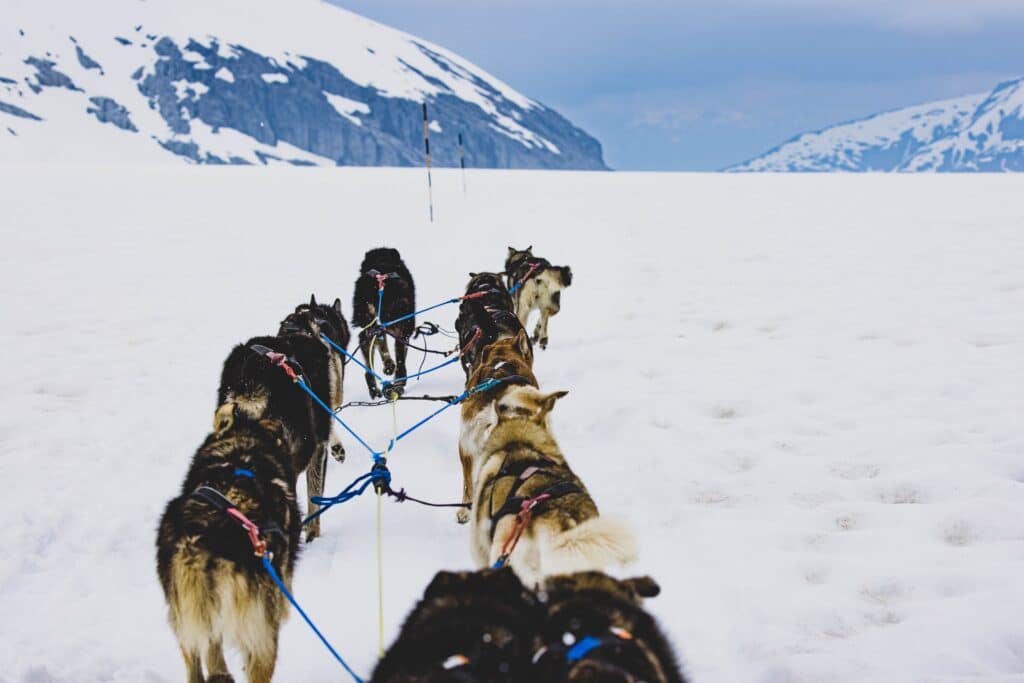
(312, 300)
(566, 275)
(337, 307)
(529, 250)
(644, 586)
(525, 345)
(547, 403)
(223, 418)
(511, 250)
(443, 583)
(472, 274)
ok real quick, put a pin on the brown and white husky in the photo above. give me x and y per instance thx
(520, 466)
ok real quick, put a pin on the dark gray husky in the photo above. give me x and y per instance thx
(257, 386)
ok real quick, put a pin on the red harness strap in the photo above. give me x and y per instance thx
(476, 337)
(259, 546)
(522, 520)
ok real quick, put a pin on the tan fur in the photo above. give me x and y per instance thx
(502, 358)
(565, 533)
(210, 603)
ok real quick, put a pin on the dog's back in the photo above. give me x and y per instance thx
(521, 461)
(399, 288)
(470, 627)
(216, 588)
(595, 629)
(488, 316)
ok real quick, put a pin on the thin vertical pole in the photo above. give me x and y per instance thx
(426, 146)
(462, 163)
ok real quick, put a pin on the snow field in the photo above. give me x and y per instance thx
(803, 392)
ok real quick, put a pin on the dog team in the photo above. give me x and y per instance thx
(540, 607)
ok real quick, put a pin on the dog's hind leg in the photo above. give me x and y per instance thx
(387, 363)
(316, 473)
(364, 347)
(216, 667)
(193, 668)
(401, 351)
(260, 662)
(540, 334)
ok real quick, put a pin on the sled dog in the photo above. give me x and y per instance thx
(537, 285)
(217, 590)
(486, 317)
(595, 629)
(471, 627)
(384, 267)
(258, 388)
(521, 479)
(507, 360)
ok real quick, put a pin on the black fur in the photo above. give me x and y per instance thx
(492, 314)
(261, 448)
(399, 300)
(487, 617)
(596, 605)
(248, 373)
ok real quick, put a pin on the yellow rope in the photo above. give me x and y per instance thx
(380, 577)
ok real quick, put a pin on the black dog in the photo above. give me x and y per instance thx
(258, 387)
(486, 316)
(470, 627)
(383, 267)
(215, 585)
(595, 630)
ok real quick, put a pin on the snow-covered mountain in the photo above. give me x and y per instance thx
(983, 132)
(255, 81)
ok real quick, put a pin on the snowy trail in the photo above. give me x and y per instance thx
(804, 391)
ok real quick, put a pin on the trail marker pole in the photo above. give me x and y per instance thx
(462, 163)
(426, 146)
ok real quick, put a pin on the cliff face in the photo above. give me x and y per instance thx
(332, 88)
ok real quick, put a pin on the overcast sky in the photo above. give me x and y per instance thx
(699, 85)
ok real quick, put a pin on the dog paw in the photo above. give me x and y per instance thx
(389, 367)
(462, 516)
(220, 678)
(338, 452)
(313, 531)
(543, 342)
(375, 392)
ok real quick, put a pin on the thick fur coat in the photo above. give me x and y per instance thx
(507, 360)
(521, 460)
(470, 627)
(217, 591)
(537, 286)
(487, 317)
(399, 300)
(596, 630)
(259, 389)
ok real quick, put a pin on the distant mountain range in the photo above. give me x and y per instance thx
(255, 82)
(983, 132)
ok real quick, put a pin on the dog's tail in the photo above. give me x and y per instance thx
(596, 544)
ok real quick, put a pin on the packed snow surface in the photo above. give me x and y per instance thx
(804, 392)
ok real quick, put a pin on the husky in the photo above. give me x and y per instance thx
(258, 388)
(536, 284)
(486, 317)
(384, 266)
(470, 627)
(595, 629)
(216, 588)
(521, 481)
(509, 361)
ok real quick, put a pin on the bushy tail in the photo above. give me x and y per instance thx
(596, 544)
